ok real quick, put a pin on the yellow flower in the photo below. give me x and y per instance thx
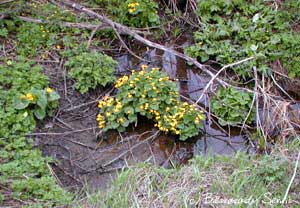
(101, 125)
(120, 120)
(144, 66)
(146, 105)
(29, 96)
(49, 90)
(177, 132)
(121, 81)
(185, 104)
(100, 118)
(44, 56)
(131, 10)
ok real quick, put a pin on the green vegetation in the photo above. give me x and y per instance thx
(232, 106)
(40, 102)
(139, 13)
(259, 181)
(33, 39)
(133, 13)
(234, 30)
(151, 94)
(91, 70)
(23, 168)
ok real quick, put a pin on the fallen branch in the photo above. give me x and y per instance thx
(75, 24)
(5, 2)
(127, 31)
(57, 134)
(66, 24)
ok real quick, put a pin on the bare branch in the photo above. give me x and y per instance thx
(219, 72)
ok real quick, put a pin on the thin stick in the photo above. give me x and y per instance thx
(126, 47)
(54, 175)
(131, 148)
(92, 35)
(292, 179)
(56, 134)
(219, 72)
(281, 88)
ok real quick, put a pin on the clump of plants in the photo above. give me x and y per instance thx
(91, 69)
(234, 30)
(139, 13)
(33, 38)
(232, 106)
(40, 102)
(150, 94)
(133, 13)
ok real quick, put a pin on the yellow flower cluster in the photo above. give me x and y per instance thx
(28, 96)
(44, 31)
(132, 7)
(168, 118)
(172, 121)
(121, 81)
(109, 101)
(101, 121)
(118, 106)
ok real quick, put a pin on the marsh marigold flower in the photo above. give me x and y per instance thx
(49, 90)
(29, 96)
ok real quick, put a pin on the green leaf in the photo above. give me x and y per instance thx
(53, 96)
(40, 113)
(20, 103)
(41, 98)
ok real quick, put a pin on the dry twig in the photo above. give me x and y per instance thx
(292, 179)
(219, 72)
